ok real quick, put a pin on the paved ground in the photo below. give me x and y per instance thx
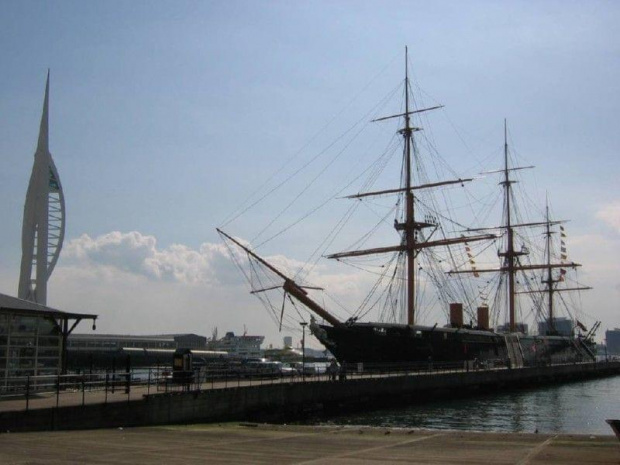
(239, 444)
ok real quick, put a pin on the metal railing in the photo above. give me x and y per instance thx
(34, 392)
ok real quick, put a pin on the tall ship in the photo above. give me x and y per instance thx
(434, 250)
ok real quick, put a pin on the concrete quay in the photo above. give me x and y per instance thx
(269, 444)
(279, 401)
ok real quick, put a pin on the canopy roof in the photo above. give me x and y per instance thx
(13, 304)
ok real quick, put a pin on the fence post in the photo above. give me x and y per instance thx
(148, 385)
(128, 385)
(57, 389)
(83, 389)
(113, 374)
(27, 392)
(107, 378)
(128, 375)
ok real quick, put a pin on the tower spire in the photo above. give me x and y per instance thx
(43, 144)
(43, 227)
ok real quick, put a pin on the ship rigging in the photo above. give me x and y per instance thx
(408, 341)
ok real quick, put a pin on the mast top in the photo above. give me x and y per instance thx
(406, 64)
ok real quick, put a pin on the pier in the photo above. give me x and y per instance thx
(267, 399)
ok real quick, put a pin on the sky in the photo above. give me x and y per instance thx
(166, 117)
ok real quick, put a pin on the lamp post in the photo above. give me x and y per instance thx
(303, 351)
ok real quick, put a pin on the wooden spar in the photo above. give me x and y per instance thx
(361, 253)
(293, 289)
(258, 291)
(416, 246)
(396, 191)
(282, 311)
(503, 170)
(407, 113)
(289, 286)
(564, 289)
(248, 251)
(453, 241)
(520, 225)
(544, 267)
(517, 268)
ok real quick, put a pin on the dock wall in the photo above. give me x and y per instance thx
(255, 402)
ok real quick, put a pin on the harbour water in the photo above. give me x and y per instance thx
(577, 407)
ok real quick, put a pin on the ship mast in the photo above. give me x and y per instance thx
(409, 245)
(511, 264)
(409, 221)
(510, 254)
(549, 281)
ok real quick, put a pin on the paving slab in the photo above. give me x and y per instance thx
(235, 443)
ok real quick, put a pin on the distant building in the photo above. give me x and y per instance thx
(239, 346)
(562, 326)
(520, 328)
(612, 337)
(33, 337)
(189, 341)
(288, 341)
(110, 351)
(113, 342)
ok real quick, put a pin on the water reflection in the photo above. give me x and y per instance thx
(579, 407)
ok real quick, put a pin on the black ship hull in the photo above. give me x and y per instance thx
(381, 345)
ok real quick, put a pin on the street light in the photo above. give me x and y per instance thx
(303, 351)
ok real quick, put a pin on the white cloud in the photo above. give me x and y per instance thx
(610, 214)
(596, 252)
(138, 254)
